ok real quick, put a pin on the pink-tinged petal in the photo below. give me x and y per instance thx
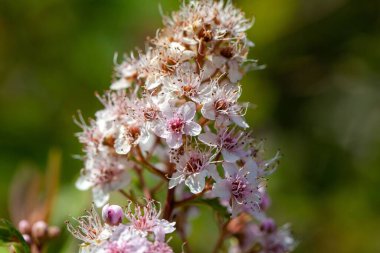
(239, 120)
(83, 183)
(192, 128)
(161, 131)
(251, 169)
(218, 61)
(196, 182)
(100, 197)
(222, 121)
(234, 73)
(167, 110)
(122, 144)
(175, 180)
(174, 140)
(122, 181)
(212, 172)
(208, 110)
(208, 138)
(230, 168)
(120, 84)
(229, 156)
(222, 191)
(187, 110)
(208, 69)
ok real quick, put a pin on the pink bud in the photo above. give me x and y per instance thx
(268, 225)
(27, 239)
(39, 230)
(112, 214)
(265, 202)
(24, 227)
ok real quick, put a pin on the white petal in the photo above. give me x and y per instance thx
(160, 130)
(230, 168)
(174, 140)
(192, 128)
(208, 138)
(175, 180)
(83, 183)
(229, 156)
(222, 191)
(239, 120)
(120, 84)
(218, 61)
(196, 183)
(208, 110)
(122, 144)
(100, 197)
(187, 110)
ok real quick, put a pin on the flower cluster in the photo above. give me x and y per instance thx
(174, 110)
(145, 232)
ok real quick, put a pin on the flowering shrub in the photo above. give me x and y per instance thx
(174, 111)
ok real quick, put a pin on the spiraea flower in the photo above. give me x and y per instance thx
(89, 229)
(117, 237)
(231, 143)
(146, 219)
(223, 107)
(104, 173)
(177, 122)
(192, 168)
(239, 188)
(174, 110)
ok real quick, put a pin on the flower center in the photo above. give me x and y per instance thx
(229, 143)
(221, 105)
(134, 133)
(176, 125)
(193, 165)
(239, 188)
(150, 113)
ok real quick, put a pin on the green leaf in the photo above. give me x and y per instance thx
(10, 235)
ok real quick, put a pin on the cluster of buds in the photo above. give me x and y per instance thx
(144, 233)
(174, 110)
(36, 234)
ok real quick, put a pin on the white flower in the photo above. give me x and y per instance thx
(239, 188)
(125, 73)
(104, 173)
(130, 135)
(222, 106)
(192, 167)
(89, 229)
(145, 219)
(177, 122)
(231, 143)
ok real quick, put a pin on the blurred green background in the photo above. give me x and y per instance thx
(318, 101)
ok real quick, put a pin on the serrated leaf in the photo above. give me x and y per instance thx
(10, 235)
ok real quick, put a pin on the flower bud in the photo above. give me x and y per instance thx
(39, 230)
(112, 214)
(268, 225)
(264, 202)
(53, 232)
(24, 227)
(27, 239)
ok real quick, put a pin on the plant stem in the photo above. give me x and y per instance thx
(148, 165)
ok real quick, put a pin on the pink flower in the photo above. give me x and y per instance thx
(223, 107)
(239, 189)
(177, 122)
(231, 143)
(104, 173)
(146, 219)
(192, 167)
